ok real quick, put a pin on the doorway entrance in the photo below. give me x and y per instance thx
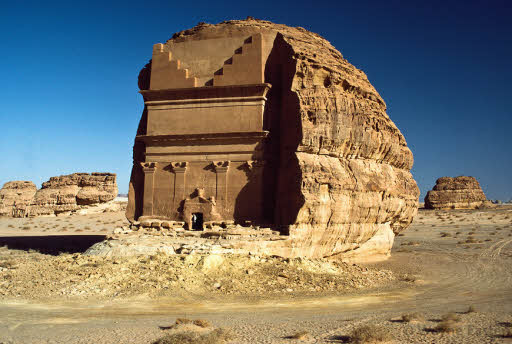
(197, 221)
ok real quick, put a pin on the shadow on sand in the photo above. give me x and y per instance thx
(52, 244)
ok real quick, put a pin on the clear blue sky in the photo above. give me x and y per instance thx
(69, 101)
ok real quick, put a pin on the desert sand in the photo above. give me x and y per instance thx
(447, 261)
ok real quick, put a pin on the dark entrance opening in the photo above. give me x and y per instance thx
(197, 221)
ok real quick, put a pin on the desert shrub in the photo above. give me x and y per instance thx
(299, 335)
(447, 326)
(450, 317)
(444, 234)
(198, 322)
(202, 323)
(408, 278)
(10, 226)
(182, 321)
(216, 336)
(370, 334)
(25, 228)
(412, 317)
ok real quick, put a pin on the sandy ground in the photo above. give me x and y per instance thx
(445, 262)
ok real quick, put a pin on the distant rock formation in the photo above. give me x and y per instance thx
(15, 197)
(68, 193)
(316, 158)
(456, 193)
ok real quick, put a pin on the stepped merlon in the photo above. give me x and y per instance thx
(166, 72)
(245, 67)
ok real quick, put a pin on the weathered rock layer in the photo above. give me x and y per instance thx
(61, 194)
(456, 193)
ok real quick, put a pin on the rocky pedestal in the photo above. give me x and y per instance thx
(456, 193)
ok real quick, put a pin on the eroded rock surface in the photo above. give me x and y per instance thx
(456, 193)
(62, 194)
(337, 168)
(15, 196)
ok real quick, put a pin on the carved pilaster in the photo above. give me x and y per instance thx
(179, 169)
(221, 169)
(149, 169)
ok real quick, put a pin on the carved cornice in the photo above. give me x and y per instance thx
(208, 93)
(203, 138)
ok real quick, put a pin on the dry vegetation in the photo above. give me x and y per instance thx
(216, 336)
(368, 334)
(413, 317)
(301, 335)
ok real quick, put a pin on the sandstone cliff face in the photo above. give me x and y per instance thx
(341, 166)
(60, 194)
(456, 193)
(16, 195)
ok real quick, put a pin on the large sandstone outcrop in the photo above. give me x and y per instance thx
(456, 193)
(67, 193)
(15, 196)
(336, 168)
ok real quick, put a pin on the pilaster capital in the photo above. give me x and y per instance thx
(179, 167)
(149, 167)
(221, 166)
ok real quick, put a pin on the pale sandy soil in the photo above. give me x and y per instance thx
(438, 267)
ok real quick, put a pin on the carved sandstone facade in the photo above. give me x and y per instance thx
(254, 122)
